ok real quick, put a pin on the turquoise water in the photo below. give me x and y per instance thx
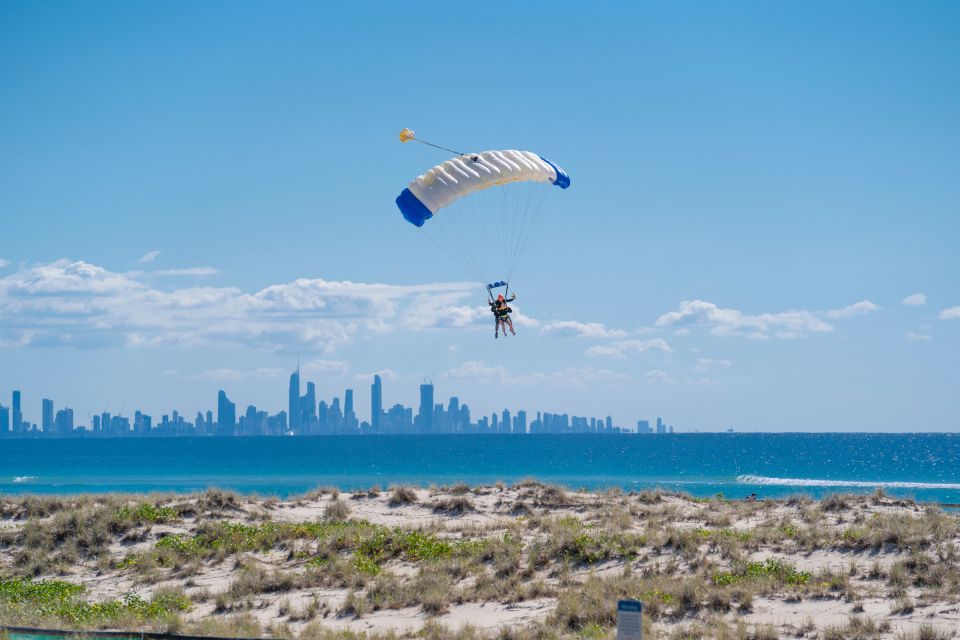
(922, 466)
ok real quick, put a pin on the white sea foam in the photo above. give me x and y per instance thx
(812, 482)
(19, 479)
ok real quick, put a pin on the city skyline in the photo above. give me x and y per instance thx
(305, 416)
(761, 227)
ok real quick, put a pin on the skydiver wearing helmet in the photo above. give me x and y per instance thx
(501, 315)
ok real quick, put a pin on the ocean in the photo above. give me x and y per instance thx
(925, 467)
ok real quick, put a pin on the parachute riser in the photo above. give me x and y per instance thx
(497, 285)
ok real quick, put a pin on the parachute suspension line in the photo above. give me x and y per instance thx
(465, 257)
(452, 254)
(519, 235)
(536, 222)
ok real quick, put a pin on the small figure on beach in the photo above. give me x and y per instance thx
(501, 315)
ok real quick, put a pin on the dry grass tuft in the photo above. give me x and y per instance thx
(402, 495)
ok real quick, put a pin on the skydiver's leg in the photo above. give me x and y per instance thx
(496, 327)
(509, 321)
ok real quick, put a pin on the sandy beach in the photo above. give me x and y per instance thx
(522, 561)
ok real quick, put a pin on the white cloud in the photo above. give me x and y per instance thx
(329, 367)
(915, 299)
(149, 257)
(731, 322)
(386, 374)
(705, 364)
(658, 376)
(624, 347)
(74, 303)
(953, 313)
(572, 328)
(189, 271)
(917, 336)
(857, 308)
(480, 372)
(4, 263)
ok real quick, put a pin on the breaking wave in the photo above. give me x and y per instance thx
(812, 482)
(19, 479)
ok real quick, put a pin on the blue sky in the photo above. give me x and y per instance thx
(194, 194)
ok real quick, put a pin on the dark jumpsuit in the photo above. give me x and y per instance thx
(501, 310)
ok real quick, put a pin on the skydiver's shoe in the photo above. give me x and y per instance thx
(496, 335)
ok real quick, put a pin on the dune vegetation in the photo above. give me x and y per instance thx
(524, 561)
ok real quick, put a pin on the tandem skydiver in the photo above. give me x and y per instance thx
(501, 315)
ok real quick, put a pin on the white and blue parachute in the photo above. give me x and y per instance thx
(492, 203)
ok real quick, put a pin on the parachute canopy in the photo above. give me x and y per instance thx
(493, 204)
(461, 176)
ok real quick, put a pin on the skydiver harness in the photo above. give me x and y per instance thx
(500, 310)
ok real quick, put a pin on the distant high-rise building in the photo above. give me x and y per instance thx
(520, 422)
(349, 416)
(609, 422)
(335, 415)
(47, 422)
(294, 397)
(376, 405)
(4, 420)
(226, 413)
(425, 415)
(16, 415)
(63, 423)
(643, 426)
(661, 428)
(311, 402)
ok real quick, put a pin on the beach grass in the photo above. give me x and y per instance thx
(453, 559)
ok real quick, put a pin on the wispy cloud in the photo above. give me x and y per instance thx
(386, 374)
(4, 263)
(623, 348)
(149, 257)
(953, 313)
(918, 336)
(732, 322)
(658, 376)
(189, 271)
(856, 309)
(574, 329)
(326, 367)
(75, 303)
(915, 300)
(479, 371)
(705, 364)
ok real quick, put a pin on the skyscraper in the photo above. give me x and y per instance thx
(376, 405)
(17, 416)
(349, 417)
(47, 421)
(4, 420)
(311, 405)
(294, 407)
(226, 413)
(425, 415)
(64, 421)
